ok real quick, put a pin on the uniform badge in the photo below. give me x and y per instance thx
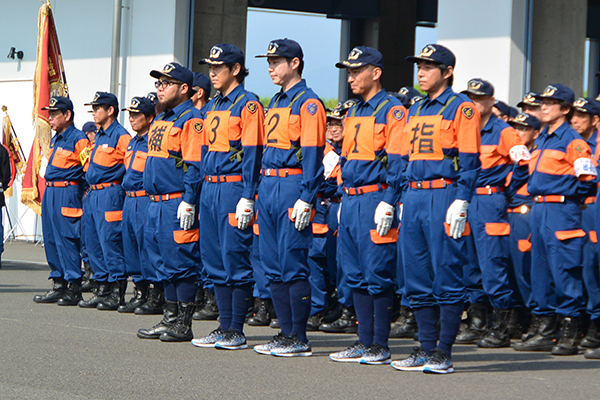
(549, 91)
(252, 107)
(311, 108)
(579, 149)
(468, 112)
(398, 114)
(129, 147)
(84, 156)
(198, 126)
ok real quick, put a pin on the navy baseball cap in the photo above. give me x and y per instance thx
(89, 127)
(558, 92)
(153, 97)
(503, 107)
(175, 71)
(101, 98)
(59, 103)
(587, 105)
(224, 53)
(530, 99)
(341, 109)
(409, 96)
(362, 55)
(526, 120)
(140, 105)
(435, 53)
(283, 48)
(479, 87)
(201, 81)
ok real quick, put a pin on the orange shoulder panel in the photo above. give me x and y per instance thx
(253, 124)
(314, 124)
(396, 120)
(467, 123)
(192, 137)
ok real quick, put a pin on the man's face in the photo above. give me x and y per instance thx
(335, 130)
(280, 70)
(100, 115)
(221, 76)
(527, 133)
(139, 122)
(536, 111)
(361, 79)
(429, 76)
(483, 104)
(551, 111)
(582, 122)
(58, 121)
(168, 93)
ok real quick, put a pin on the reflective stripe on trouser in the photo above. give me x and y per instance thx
(62, 233)
(520, 251)
(173, 252)
(283, 249)
(103, 230)
(225, 249)
(557, 265)
(591, 272)
(488, 220)
(433, 261)
(137, 265)
(367, 265)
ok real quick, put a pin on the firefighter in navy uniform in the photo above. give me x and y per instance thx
(104, 205)
(172, 179)
(62, 205)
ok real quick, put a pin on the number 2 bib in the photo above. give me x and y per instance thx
(276, 128)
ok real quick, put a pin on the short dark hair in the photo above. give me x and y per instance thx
(107, 106)
(300, 67)
(244, 72)
(566, 105)
(443, 68)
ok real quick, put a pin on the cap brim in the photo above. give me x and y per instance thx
(475, 93)
(336, 118)
(419, 58)
(348, 64)
(90, 104)
(211, 62)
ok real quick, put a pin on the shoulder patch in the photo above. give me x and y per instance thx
(468, 112)
(311, 108)
(579, 149)
(398, 114)
(198, 126)
(252, 107)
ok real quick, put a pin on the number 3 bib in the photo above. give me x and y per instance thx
(217, 130)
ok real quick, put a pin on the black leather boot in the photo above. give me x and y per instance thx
(569, 336)
(534, 325)
(592, 354)
(88, 284)
(515, 322)
(181, 331)
(476, 325)
(210, 311)
(347, 323)
(592, 339)
(72, 295)
(101, 294)
(334, 307)
(59, 287)
(154, 303)
(315, 321)
(406, 326)
(544, 337)
(140, 296)
(263, 314)
(170, 310)
(116, 297)
(199, 302)
(497, 336)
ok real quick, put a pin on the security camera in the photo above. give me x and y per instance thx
(13, 52)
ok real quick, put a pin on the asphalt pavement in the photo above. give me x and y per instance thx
(52, 352)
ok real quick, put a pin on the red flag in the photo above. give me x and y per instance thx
(49, 80)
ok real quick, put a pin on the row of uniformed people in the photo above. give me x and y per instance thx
(442, 152)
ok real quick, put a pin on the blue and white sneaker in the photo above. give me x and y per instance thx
(267, 347)
(292, 347)
(376, 355)
(210, 339)
(415, 362)
(352, 354)
(232, 340)
(439, 363)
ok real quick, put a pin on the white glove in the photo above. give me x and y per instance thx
(244, 212)
(185, 215)
(518, 153)
(301, 214)
(456, 217)
(339, 213)
(384, 214)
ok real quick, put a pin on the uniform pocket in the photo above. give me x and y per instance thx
(313, 212)
(71, 212)
(593, 237)
(497, 228)
(234, 222)
(390, 237)
(565, 235)
(139, 162)
(320, 229)
(189, 236)
(467, 231)
(524, 245)
(113, 216)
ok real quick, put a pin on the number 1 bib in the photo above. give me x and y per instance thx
(358, 138)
